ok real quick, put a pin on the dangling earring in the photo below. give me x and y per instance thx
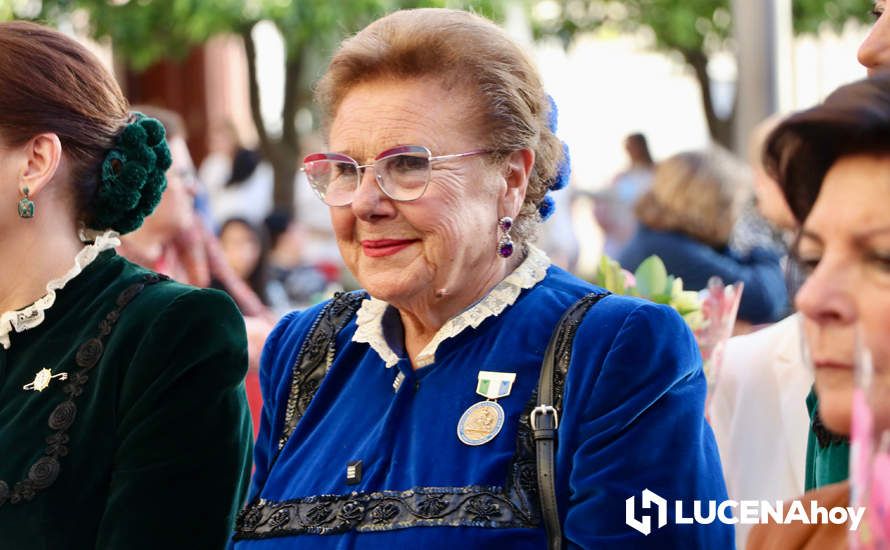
(505, 243)
(26, 205)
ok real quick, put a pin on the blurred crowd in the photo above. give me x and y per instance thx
(704, 213)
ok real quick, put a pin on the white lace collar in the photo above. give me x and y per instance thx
(31, 316)
(370, 315)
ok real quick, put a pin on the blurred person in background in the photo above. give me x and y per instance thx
(402, 416)
(769, 199)
(833, 163)
(614, 206)
(121, 396)
(686, 218)
(167, 242)
(765, 220)
(180, 245)
(833, 457)
(758, 405)
(239, 181)
(246, 248)
(293, 282)
(176, 241)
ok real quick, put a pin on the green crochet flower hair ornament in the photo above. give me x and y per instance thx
(132, 176)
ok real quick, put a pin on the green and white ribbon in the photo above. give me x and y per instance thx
(495, 385)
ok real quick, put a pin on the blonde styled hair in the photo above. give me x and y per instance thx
(698, 194)
(467, 52)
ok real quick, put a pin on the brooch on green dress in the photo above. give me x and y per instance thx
(43, 378)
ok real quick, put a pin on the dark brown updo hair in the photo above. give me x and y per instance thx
(470, 53)
(49, 83)
(854, 119)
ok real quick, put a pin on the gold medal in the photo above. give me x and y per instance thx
(480, 423)
(483, 421)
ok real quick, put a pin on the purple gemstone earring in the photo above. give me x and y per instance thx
(505, 243)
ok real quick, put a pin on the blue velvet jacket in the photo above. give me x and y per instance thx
(632, 419)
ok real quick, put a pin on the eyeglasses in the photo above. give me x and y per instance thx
(187, 177)
(402, 173)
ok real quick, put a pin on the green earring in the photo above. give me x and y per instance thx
(26, 205)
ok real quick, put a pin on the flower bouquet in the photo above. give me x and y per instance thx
(651, 282)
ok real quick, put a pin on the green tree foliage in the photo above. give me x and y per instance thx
(812, 15)
(692, 29)
(146, 31)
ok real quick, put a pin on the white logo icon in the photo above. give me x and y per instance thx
(645, 525)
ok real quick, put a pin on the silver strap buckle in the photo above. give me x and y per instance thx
(544, 409)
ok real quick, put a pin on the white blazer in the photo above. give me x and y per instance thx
(759, 415)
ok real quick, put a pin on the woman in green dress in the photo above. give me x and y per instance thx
(123, 420)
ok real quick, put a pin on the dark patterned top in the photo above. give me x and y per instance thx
(145, 442)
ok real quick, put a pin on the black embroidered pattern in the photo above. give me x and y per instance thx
(514, 505)
(279, 518)
(351, 512)
(483, 508)
(431, 506)
(384, 513)
(381, 511)
(46, 469)
(315, 357)
(319, 514)
(62, 416)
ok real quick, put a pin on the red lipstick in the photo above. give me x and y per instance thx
(834, 365)
(385, 247)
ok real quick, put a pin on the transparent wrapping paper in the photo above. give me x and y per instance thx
(719, 308)
(870, 448)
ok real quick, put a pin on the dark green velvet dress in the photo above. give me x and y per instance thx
(147, 442)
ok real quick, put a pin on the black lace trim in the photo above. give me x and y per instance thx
(514, 505)
(315, 357)
(46, 469)
(381, 511)
(824, 436)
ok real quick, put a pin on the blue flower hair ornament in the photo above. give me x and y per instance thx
(132, 176)
(563, 171)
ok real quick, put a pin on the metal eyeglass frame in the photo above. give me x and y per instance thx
(387, 154)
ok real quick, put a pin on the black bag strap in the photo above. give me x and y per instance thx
(544, 418)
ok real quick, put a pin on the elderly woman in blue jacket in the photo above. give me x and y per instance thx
(400, 416)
